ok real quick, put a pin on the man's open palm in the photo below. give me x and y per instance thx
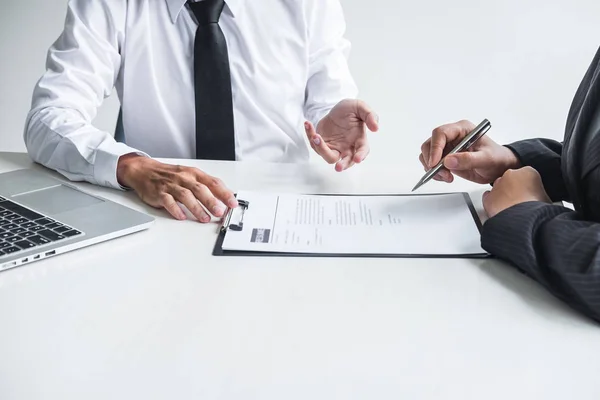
(341, 136)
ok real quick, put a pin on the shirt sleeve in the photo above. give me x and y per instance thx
(82, 67)
(329, 78)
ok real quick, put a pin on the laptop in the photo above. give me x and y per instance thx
(42, 217)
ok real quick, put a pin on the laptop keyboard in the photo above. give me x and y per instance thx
(23, 229)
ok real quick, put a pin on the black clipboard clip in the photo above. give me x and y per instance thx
(227, 219)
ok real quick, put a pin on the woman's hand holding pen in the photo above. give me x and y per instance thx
(485, 161)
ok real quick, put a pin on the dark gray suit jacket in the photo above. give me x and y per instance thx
(558, 247)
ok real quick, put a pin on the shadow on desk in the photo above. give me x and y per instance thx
(534, 295)
(18, 160)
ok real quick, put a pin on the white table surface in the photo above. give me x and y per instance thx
(155, 316)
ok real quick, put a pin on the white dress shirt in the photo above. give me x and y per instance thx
(288, 63)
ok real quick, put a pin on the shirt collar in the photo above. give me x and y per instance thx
(175, 7)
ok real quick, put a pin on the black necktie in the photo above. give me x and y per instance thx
(215, 138)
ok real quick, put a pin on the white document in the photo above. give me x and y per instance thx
(442, 225)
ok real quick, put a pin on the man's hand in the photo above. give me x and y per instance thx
(514, 187)
(162, 186)
(342, 134)
(485, 161)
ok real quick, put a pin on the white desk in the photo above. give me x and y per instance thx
(155, 316)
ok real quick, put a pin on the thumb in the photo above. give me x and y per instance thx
(319, 146)
(311, 133)
(466, 161)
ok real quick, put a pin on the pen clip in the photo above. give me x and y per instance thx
(228, 216)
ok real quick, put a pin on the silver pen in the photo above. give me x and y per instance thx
(464, 145)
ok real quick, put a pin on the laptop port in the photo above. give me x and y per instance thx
(9, 265)
(50, 253)
(25, 260)
(36, 257)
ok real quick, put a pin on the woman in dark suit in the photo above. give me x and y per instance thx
(556, 246)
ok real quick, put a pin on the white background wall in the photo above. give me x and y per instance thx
(420, 64)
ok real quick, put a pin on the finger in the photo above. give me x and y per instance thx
(485, 196)
(310, 130)
(445, 179)
(217, 188)
(487, 203)
(442, 176)
(367, 115)
(436, 147)
(361, 155)
(425, 151)
(445, 134)
(187, 198)
(467, 161)
(423, 163)
(205, 196)
(168, 203)
(319, 145)
(446, 175)
(351, 164)
(344, 163)
(362, 150)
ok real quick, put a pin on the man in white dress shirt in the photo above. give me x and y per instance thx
(215, 79)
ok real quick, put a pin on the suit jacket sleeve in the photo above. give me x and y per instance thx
(544, 155)
(554, 246)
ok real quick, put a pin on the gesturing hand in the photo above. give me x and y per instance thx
(162, 186)
(342, 134)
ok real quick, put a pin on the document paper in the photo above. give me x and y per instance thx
(363, 225)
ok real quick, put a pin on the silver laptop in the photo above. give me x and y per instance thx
(41, 217)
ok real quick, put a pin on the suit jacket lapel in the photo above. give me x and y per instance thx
(576, 135)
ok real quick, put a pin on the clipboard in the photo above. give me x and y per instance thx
(229, 224)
